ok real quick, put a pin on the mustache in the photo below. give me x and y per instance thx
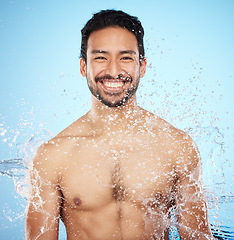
(119, 77)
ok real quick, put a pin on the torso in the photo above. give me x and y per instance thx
(117, 186)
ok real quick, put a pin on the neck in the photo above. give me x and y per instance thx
(115, 118)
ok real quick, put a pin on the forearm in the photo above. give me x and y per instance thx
(192, 214)
(187, 233)
(193, 221)
(41, 227)
(44, 202)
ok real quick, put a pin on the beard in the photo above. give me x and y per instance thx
(107, 101)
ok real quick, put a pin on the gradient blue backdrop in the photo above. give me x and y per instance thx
(189, 81)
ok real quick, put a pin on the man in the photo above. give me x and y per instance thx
(118, 172)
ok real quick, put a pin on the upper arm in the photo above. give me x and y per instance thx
(193, 222)
(43, 211)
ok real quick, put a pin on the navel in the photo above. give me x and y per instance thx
(77, 201)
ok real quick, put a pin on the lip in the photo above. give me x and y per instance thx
(113, 85)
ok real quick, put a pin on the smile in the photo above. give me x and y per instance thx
(113, 84)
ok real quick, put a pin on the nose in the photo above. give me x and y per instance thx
(114, 68)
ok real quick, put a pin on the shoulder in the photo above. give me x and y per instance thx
(80, 128)
(180, 144)
(169, 134)
(174, 136)
(46, 162)
(186, 156)
(50, 155)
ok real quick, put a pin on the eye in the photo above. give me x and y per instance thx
(100, 58)
(127, 58)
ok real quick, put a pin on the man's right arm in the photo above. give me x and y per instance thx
(44, 203)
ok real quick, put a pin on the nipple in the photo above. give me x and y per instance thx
(158, 196)
(157, 199)
(77, 201)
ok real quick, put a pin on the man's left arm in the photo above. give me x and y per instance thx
(191, 205)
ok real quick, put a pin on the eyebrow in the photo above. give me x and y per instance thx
(106, 52)
(128, 51)
(98, 51)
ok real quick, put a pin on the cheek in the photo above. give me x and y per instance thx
(131, 70)
(90, 71)
(95, 70)
(134, 72)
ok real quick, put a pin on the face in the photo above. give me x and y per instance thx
(113, 70)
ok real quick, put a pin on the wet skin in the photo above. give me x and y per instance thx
(117, 172)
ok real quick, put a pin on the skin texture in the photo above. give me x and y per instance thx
(117, 172)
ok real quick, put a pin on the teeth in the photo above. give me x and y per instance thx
(113, 84)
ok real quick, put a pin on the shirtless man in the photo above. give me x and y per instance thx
(118, 172)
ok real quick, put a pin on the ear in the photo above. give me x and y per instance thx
(143, 67)
(82, 67)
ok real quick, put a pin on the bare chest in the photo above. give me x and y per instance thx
(96, 175)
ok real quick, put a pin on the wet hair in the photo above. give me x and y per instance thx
(112, 18)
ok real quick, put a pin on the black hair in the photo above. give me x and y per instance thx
(108, 18)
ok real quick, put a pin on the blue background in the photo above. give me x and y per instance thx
(189, 82)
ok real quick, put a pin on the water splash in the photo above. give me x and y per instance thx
(13, 168)
(215, 178)
(16, 169)
(209, 138)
